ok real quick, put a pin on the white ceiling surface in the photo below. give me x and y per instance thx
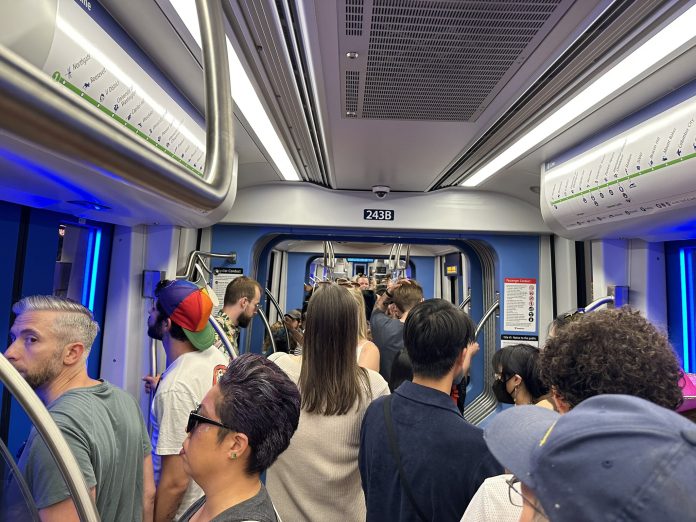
(410, 155)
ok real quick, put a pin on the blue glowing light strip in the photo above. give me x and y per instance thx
(85, 277)
(95, 267)
(686, 293)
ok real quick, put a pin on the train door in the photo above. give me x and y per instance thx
(49, 253)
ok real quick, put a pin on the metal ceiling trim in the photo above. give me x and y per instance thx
(589, 53)
(258, 28)
(298, 58)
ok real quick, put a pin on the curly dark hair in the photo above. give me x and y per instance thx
(612, 351)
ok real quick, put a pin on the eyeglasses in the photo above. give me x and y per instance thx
(195, 419)
(518, 499)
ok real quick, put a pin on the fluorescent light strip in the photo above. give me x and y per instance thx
(95, 268)
(86, 279)
(666, 41)
(244, 96)
(685, 311)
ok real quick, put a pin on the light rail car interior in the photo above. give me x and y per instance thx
(518, 158)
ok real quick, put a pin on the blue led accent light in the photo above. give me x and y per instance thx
(687, 297)
(86, 276)
(95, 268)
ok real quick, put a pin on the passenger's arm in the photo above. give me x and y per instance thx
(172, 485)
(381, 303)
(64, 511)
(369, 356)
(148, 490)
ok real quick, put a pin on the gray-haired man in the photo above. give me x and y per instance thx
(50, 341)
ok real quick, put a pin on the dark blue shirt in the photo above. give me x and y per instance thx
(388, 335)
(444, 458)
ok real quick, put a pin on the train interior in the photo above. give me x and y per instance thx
(520, 159)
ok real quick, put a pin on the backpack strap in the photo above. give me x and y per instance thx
(394, 445)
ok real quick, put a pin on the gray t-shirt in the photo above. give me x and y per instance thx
(105, 430)
(258, 508)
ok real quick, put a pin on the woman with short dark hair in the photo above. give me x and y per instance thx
(317, 478)
(243, 424)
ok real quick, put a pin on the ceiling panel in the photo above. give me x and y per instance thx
(440, 73)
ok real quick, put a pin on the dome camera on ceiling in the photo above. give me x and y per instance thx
(381, 191)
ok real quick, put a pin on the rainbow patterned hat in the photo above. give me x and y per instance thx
(189, 307)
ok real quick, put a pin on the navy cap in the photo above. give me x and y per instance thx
(612, 457)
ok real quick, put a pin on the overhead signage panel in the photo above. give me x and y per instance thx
(86, 60)
(645, 171)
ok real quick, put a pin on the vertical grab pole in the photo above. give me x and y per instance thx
(153, 371)
(268, 328)
(485, 317)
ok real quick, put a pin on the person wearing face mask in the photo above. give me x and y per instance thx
(518, 382)
(518, 378)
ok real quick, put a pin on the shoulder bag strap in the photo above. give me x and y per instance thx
(394, 445)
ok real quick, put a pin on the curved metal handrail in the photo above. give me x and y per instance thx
(223, 338)
(59, 449)
(390, 263)
(465, 302)
(280, 313)
(597, 303)
(38, 109)
(268, 329)
(486, 316)
(219, 107)
(198, 255)
(19, 481)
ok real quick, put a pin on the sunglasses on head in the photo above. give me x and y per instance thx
(195, 419)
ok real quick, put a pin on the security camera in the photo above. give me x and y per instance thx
(381, 191)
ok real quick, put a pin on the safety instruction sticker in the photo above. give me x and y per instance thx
(221, 278)
(520, 304)
(512, 339)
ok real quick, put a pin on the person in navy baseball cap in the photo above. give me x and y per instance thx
(612, 457)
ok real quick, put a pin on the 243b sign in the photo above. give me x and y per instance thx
(378, 215)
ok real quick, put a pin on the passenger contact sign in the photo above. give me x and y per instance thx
(520, 304)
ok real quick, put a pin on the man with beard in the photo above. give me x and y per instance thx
(50, 340)
(240, 305)
(180, 320)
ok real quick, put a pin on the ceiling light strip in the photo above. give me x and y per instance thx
(244, 96)
(668, 40)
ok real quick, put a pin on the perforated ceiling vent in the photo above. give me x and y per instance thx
(352, 89)
(354, 17)
(446, 60)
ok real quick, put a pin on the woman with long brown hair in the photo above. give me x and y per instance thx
(317, 477)
(367, 352)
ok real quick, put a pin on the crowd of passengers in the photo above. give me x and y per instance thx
(349, 422)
